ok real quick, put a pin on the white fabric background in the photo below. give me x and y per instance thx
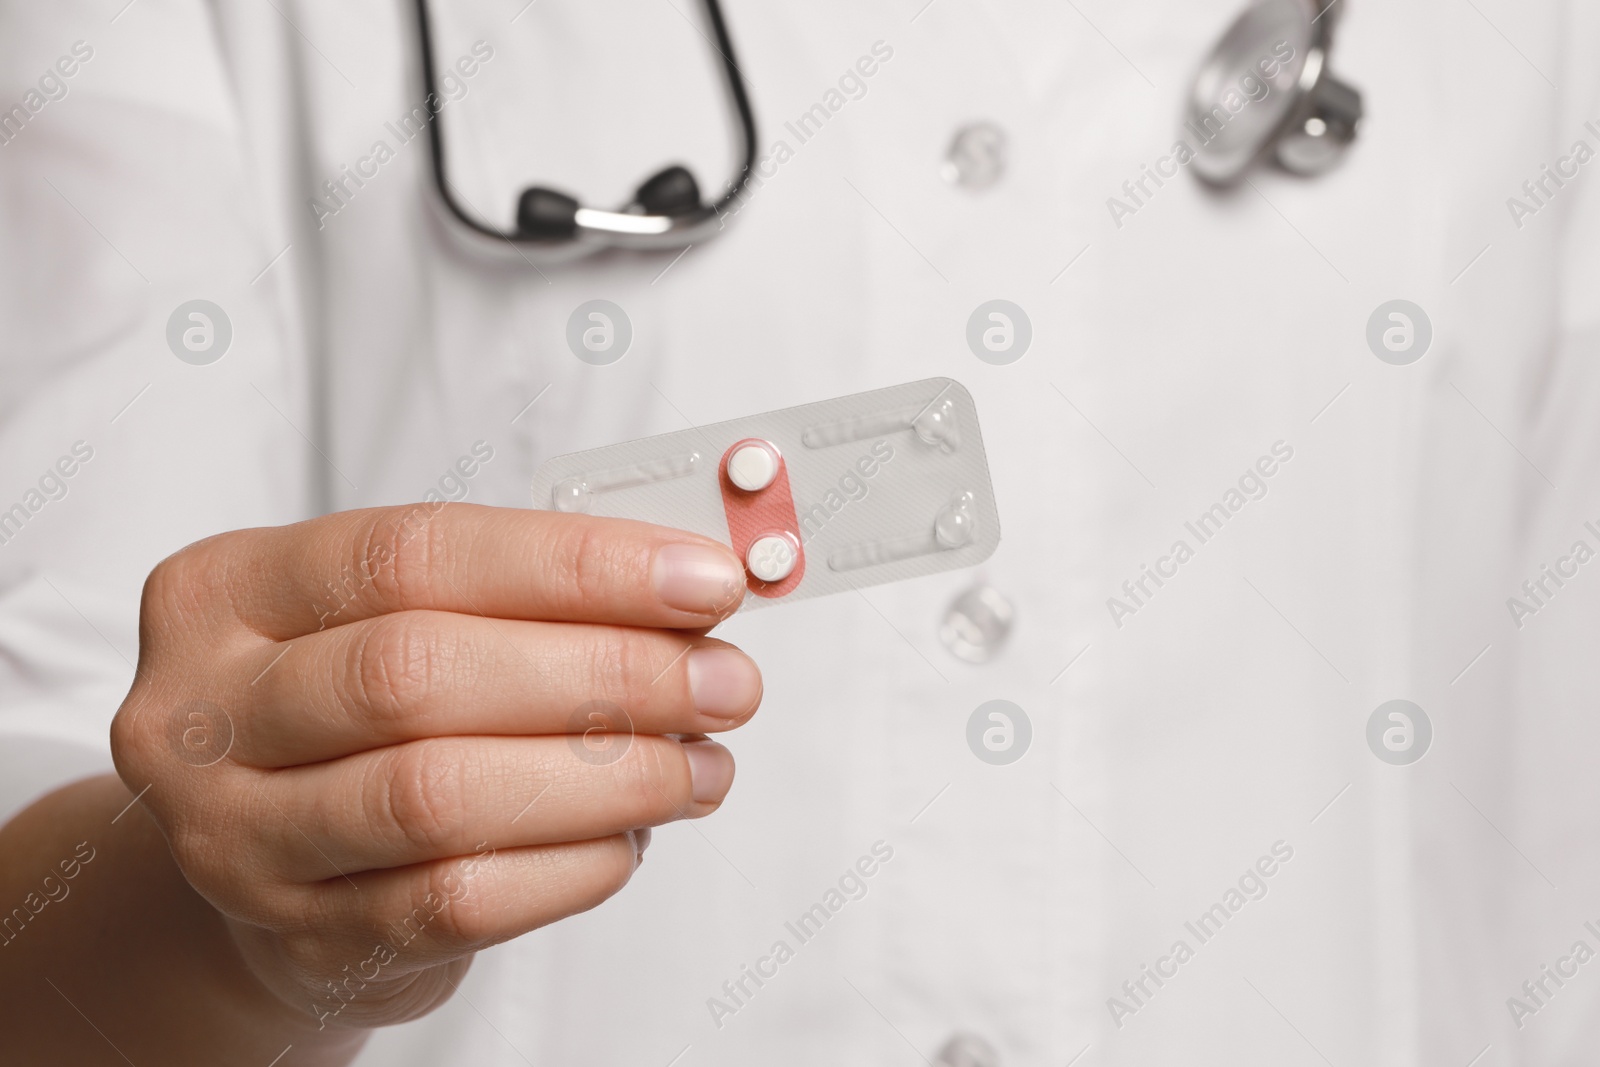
(1178, 348)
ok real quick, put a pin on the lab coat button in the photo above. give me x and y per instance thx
(977, 624)
(967, 1050)
(976, 157)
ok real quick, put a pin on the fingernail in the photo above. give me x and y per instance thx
(710, 771)
(697, 578)
(641, 841)
(724, 683)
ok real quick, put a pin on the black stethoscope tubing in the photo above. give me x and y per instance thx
(629, 228)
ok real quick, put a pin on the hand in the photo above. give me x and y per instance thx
(379, 741)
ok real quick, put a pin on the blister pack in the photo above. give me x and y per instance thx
(816, 499)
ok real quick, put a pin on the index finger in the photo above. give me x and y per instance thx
(505, 563)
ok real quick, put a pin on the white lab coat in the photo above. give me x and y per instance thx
(1172, 748)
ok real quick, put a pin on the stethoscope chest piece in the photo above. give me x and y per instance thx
(1265, 90)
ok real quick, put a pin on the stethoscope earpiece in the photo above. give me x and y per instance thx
(1266, 89)
(546, 215)
(673, 191)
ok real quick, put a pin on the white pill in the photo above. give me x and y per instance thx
(771, 558)
(753, 467)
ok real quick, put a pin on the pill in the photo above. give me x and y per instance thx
(753, 466)
(771, 557)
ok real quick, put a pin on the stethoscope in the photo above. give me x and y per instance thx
(1304, 122)
(667, 211)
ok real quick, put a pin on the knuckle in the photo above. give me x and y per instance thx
(459, 916)
(416, 796)
(193, 853)
(143, 736)
(305, 951)
(182, 587)
(172, 582)
(129, 736)
(591, 558)
(622, 667)
(650, 787)
(392, 671)
(229, 877)
(396, 554)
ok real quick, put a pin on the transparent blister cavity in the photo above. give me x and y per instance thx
(875, 487)
(952, 527)
(576, 494)
(934, 424)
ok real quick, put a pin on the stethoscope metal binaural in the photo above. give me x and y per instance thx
(1304, 119)
(667, 211)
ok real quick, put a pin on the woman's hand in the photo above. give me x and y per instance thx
(379, 741)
